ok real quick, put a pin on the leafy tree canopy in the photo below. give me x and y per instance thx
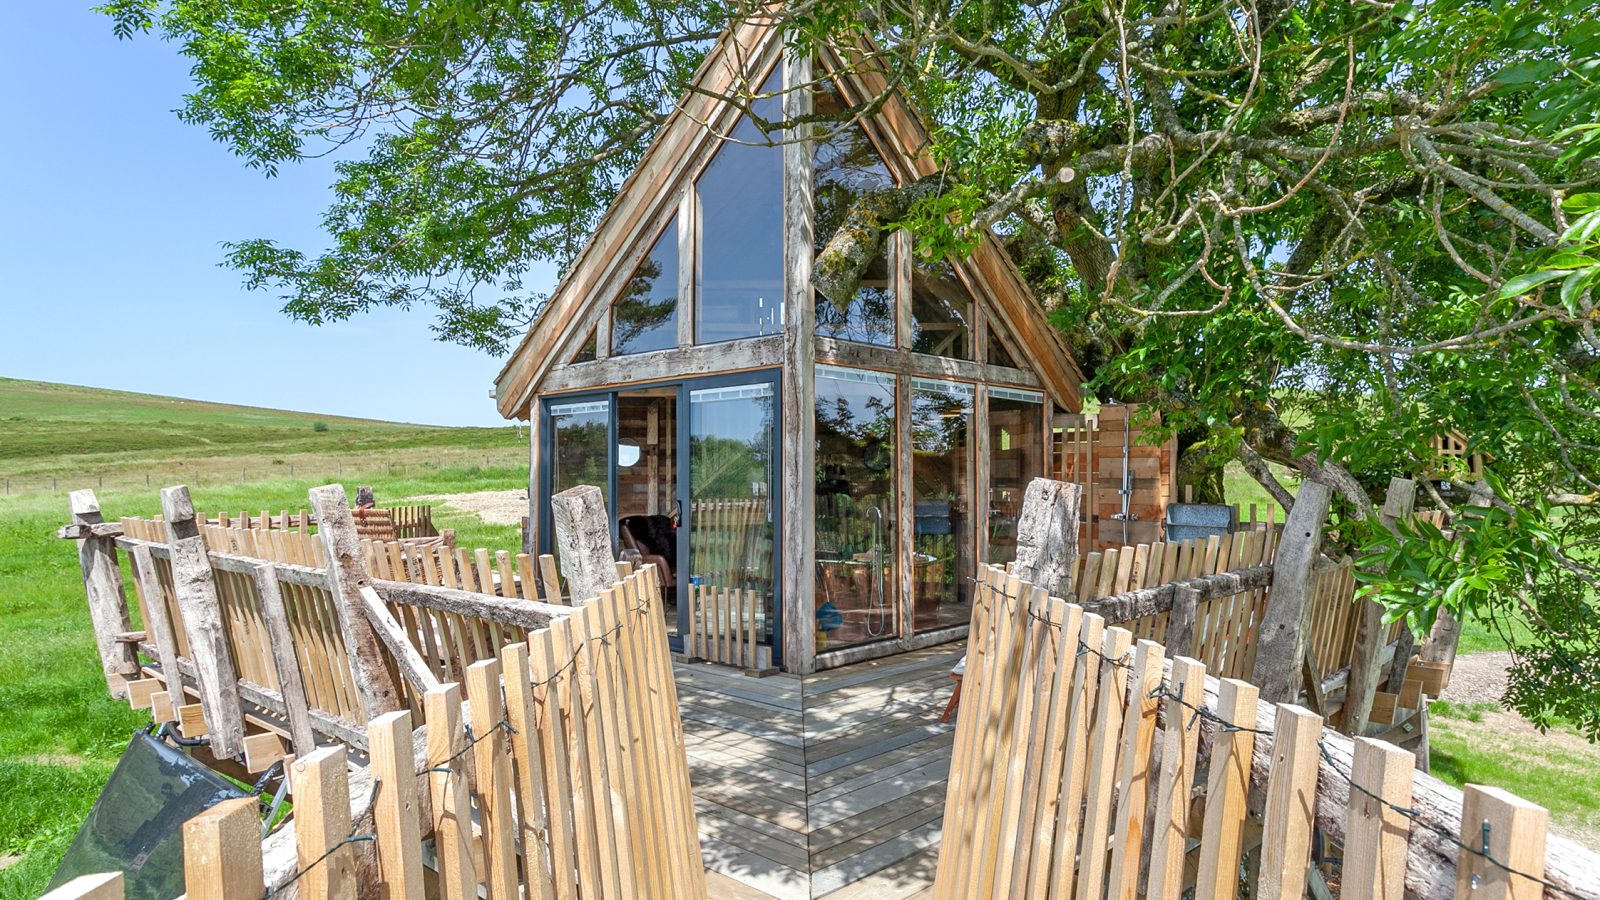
(1314, 234)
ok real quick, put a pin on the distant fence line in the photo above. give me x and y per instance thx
(511, 457)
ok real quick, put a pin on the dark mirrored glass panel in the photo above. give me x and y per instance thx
(581, 431)
(999, 353)
(941, 482)
(941, 311)
(740, 284)
(855, 533)
(588, 351)
(645, 317)
(647, 485)
(847, 170)
(1016, 457)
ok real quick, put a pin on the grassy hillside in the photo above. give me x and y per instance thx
(97, 437)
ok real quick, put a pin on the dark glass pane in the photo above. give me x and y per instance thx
(647, 486)
(847, 167)
(645, 317)
(588, 350)
(941, 482)
(999, 355)
(1016, 457)
(740, 290)
(855, 531)
(941, 310)
(581, 430)
(731, 438)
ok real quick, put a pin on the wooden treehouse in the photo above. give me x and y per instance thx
(824, 476)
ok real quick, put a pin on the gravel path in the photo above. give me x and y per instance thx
(493, 507)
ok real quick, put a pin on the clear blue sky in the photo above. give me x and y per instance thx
(112, 219)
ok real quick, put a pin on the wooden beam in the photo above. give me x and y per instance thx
(1150, 601)
(1047, 535)
(159, 619)
(529, 614)
(280, 641)
(410, 662)
(347, 575)
(102, 583)
(395, 813)
(902, 361)
(1508, 829)
(797, 443)
(201, 612)
(1283, 631)
(100, 886)
(583, 539)
(321, 786)
(1365, 667)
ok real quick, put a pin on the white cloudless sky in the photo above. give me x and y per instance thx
(112, 219)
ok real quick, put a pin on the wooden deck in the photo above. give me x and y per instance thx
(830, 785)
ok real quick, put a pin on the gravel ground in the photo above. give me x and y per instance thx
(493, 507)
(1478, 678)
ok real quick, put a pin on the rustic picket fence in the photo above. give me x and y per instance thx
(578, 783)
(1085, 766)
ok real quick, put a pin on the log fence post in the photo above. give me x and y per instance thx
(583, 537)
(201, 612)
(108, 603)
(1282, 637)
(1366, 659)
(1047, 535)
(347, 575)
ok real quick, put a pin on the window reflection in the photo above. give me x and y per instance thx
(941, 310)
(1016, 457)
(941, 482)
(846, 168)
(855, 531)
(582, 447)
(740, 285)
(645, 317)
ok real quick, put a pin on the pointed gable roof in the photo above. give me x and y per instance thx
(690, 134)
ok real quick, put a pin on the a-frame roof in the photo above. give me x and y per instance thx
(688, 137)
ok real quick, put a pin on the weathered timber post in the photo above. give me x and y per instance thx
(583, 538)
(158, 624)
(1365, 660)
(1180, 621)
(102, 582)
(1282, 636)
(1047, 535)
(281, 642)
(201, 611)
(347, 575)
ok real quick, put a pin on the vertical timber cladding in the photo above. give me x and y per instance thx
(1089, 452)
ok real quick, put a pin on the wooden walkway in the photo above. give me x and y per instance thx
(828, 786)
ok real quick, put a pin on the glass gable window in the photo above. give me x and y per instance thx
(645, 317)
(739, 287)
(1016, 457)
(999, 354)
(941, 311)
(941, 484)
(847, 167)
(855, 491)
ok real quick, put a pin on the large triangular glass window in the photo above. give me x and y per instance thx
(846, 171)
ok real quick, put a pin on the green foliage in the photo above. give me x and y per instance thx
(319, 427)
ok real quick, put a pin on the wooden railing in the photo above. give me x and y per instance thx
(1080, 761)
(577, 784)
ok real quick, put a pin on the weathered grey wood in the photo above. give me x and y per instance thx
(102, 583)
(687, 232)
(906, 362)
(158, 620)
(412, 665)
(678, 362)
(265, 704)
(347, 575)
(1047, 535)
(529, 614)
(797, 443)
(77, 531)
(1180, 624)
(1442, 640)
(285, 572)
(1150, 601)
(201, 612)
(296, 708)
(583, 540)
(1365, 667)
(1281, 638)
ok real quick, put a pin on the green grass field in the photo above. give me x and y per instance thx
(60, 734)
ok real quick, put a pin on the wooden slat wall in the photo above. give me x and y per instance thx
(1088, 452)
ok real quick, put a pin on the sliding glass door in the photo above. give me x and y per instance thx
(688, 470)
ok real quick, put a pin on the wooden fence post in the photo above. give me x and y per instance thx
(1226, 790)
(196, 588)
(452, 807)
(1291, 804)
(108, 605)
(222, 852)
(1375, 832)
(1281, 644)
(583, 537)
(1365, 659)
(1508, 829)
(321, 785)
(347, 575)
(492, 779)
(159, 627)
(1047, 535)
(395, 814)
